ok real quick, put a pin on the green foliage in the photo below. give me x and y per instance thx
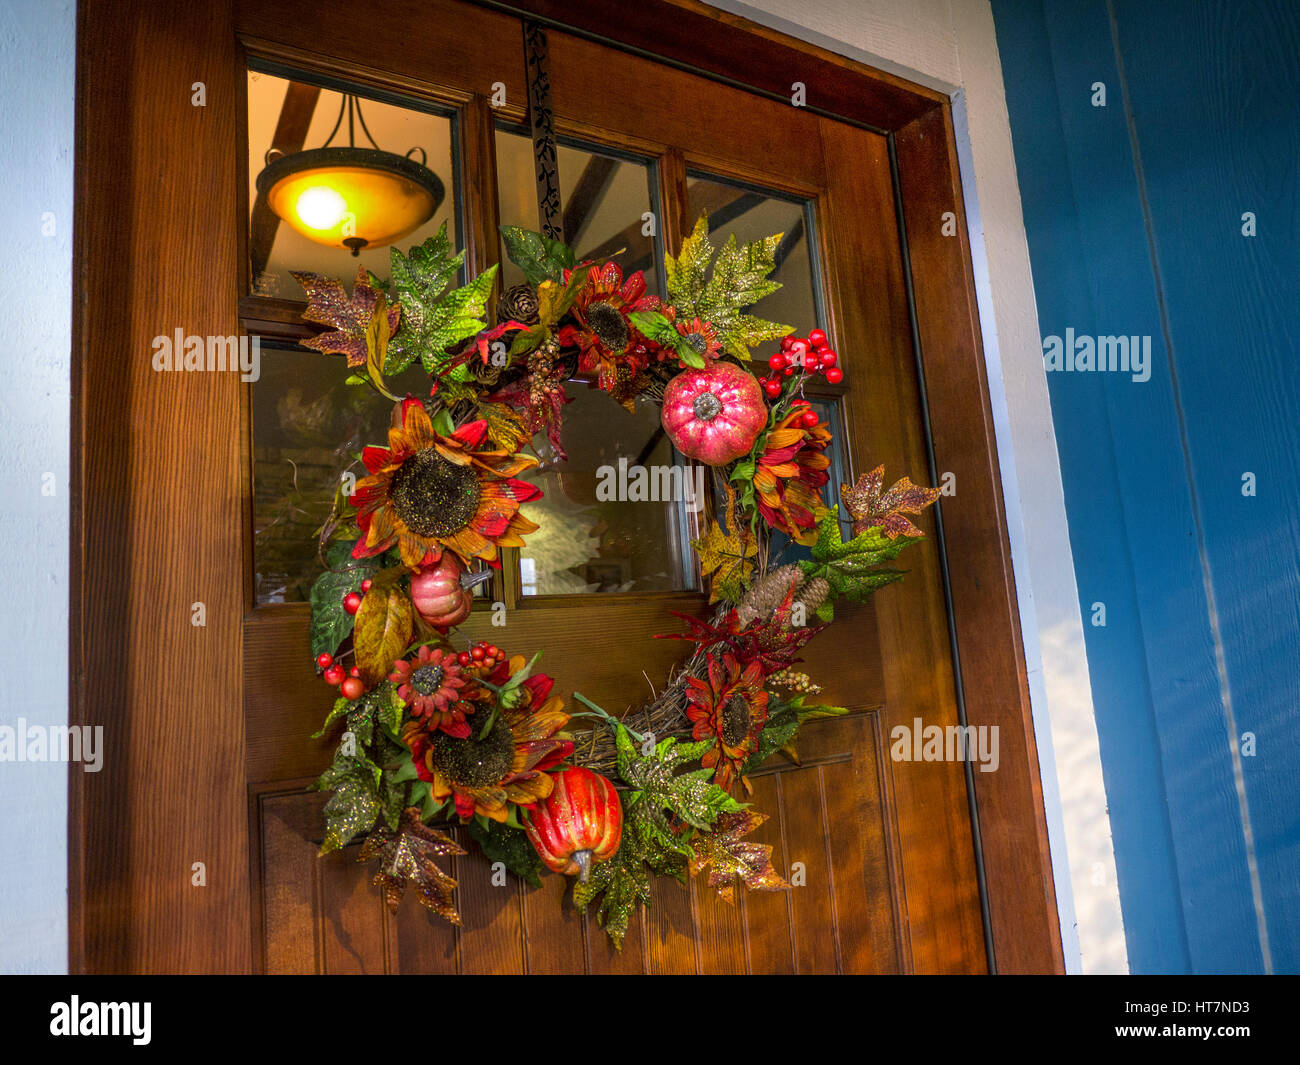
(540, 258)
(853, 569)
(784, 719)
(659, 814)
(507, 845)
(738, 280)
(330, 623)
(434, 315)
(655, 326)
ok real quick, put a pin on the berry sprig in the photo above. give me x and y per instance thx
(810, 354)
(347, 681)
(481, 658)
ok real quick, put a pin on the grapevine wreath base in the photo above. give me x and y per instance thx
(435, 732)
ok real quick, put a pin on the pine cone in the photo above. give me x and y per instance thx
(518, 303)
(486, 373)
(812, 595)
(767, 593)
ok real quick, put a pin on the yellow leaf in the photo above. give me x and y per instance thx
(381, 632)
(726, 558)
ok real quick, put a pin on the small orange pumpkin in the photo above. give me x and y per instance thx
(579, 823)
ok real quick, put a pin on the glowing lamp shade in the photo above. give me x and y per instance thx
(351, 198)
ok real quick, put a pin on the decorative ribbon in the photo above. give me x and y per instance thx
(542, 123)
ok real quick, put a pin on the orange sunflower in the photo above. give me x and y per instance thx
(731, 705)
(608, 344)
(427, 491)
(790, 474)
(485, 774)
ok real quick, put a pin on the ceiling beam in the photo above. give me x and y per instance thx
(290, 134)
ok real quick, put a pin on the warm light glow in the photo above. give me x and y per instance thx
(333, 204)
(320, 207)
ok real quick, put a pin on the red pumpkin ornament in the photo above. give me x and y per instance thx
(579, 823)
(714, 414)
(438, 594)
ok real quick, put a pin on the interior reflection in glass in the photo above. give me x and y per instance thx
(589, 542)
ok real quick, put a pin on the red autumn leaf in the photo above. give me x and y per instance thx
(870, 509)
(729, 858)
(329, 304)
(406, 859)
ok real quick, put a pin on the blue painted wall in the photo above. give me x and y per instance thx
(1134, 214)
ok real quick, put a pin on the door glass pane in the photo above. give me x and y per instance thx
(752, 215)
(308, 428)
(302, 117)
(604, 199)
(617, 515)
(599, 534)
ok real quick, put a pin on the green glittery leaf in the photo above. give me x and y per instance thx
(434, 315)
(738, 279)
(351, 810)
(539, 258)
(510, 846)
(623, 884)
(853, 570)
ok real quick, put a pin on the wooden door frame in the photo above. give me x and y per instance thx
(174, 723)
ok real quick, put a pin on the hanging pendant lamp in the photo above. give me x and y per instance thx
(351, 197)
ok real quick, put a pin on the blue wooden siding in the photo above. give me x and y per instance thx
(1134, 218)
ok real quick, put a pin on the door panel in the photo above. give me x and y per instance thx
(323, 916)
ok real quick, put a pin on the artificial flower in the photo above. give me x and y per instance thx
(431, 685)
(427, 492)
(729, 705)
(486, 774)
(608, 344)
(789, 475)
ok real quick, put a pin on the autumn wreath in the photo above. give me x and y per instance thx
(438, 730)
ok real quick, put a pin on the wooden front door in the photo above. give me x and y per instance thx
(214, 720)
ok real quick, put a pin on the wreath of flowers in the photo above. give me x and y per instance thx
(437, 732)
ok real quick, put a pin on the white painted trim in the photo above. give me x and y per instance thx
(958, 56)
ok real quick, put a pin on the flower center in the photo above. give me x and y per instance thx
(427, 679)
(735, 721)
(433, 496)
(474, 762)
(609, 325)
(707, 406)
(697, 341)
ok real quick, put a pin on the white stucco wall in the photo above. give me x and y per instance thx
(37, 58)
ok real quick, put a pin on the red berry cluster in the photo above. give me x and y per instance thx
(810, 353)
(481, 658)
(352, 601)
(348, 682)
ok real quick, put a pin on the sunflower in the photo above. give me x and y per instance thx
(790, 474)
(486, 774)
(427, 491)
(702, 336)
(608, 344)
(730, 705)
(432, 687)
